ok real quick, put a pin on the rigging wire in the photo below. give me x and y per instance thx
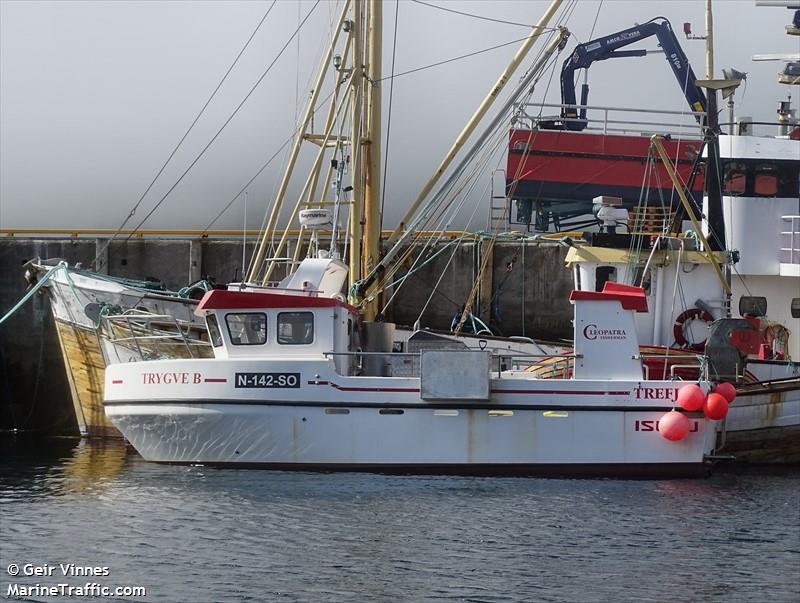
(473, 15)
(389, 116)
(249, 182)
(227, 121)
(183, 138)
(443, 208)
(463, 56)
(597, 14)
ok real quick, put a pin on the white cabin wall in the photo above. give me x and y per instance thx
(752, 226)
(695, 281)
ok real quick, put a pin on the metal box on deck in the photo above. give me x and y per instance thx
(455, 375)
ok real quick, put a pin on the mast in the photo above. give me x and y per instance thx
(536, 31)
(356, 171)
(709, 42)
(715, 219)
(270, 221)
(372, 150)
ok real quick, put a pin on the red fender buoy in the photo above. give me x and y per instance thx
(715, 407)
(691, 397)
(673, 426)
(726, 390)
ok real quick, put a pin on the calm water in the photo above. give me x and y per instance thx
(197, 534)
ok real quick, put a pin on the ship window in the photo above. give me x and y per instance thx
(213, 330)
(795, 307)
(248, 328)
(788, 179)
(295, 328)
(603, 274)
(391, 411)
(766, 182)
(735, 180)
(750, 305)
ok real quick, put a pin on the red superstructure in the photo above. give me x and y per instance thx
(564, 170)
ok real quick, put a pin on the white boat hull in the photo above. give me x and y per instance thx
(334, 422)
(305, 437)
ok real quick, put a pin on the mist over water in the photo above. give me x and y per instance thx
(200, 534)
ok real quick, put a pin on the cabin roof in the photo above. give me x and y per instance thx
(609, 255)
(222, 299)
(631, 298)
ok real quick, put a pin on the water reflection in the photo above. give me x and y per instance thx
(59, 466)
(201, 534)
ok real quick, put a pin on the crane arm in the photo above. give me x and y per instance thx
(608, 47)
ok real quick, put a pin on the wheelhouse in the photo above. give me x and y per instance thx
(263, 323)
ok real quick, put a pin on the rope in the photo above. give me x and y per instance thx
(472, 15)
(389, 116)
(183, 138)
(463, 56)
(227, 121)
(33, 290)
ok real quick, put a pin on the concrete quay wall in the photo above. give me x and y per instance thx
(523, 291)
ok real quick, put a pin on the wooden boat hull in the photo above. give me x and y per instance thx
(83, 360)
(86, 354)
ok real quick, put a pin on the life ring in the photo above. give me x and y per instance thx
(683, 317)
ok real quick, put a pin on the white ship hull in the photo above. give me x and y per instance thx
(333, 422)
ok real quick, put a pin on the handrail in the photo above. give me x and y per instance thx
(187, 233)
(605, 121)
(609, 108)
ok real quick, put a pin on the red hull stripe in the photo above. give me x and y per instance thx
(494, 391)
(117, 382)
(559, 392)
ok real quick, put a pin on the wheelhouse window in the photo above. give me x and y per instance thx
(752, 178)
(247, 328)
(213, 330)
(295, 328)
(766, 181)
(735, 180)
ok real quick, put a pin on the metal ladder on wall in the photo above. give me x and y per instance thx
(499, 207)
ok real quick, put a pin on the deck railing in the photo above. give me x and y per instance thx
(147, 336)
(617, 120)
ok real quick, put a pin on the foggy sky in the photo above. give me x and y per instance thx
(95, 95)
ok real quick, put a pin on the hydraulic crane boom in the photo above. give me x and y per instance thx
(607, 47)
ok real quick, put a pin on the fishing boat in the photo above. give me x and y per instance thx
(102, 319)
(289, 389)
(738, 307)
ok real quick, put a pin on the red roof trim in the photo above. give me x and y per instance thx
(631, 298)
(222, 299)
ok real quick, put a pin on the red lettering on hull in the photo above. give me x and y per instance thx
(656, 393)
(652, 425)
(173, 378)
